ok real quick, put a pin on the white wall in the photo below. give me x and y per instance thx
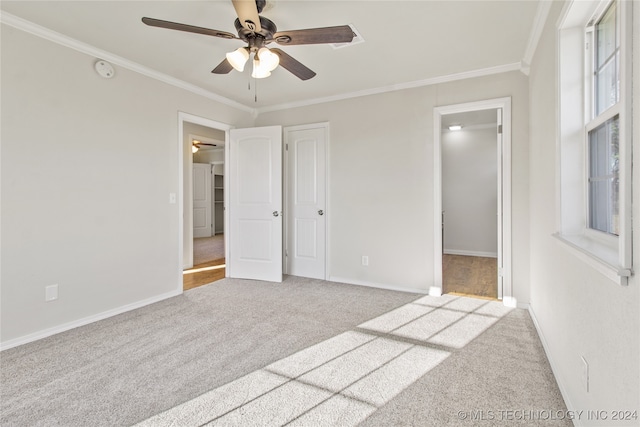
(87, 168)
(209, 156)
(470, 191)
(579, 311)
(381, 179)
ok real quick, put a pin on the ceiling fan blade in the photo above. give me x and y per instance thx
(223, 68)
(188, 28)
(294, 66)
(339, 34)
(247, 12)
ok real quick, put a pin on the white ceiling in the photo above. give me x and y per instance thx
(405, 41)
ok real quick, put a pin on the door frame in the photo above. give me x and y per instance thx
(504, 267)
(185, 189)
(287, 186)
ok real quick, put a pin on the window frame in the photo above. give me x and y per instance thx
(593, 119)
(609, 254)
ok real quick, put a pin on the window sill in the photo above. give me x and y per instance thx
(602, 257)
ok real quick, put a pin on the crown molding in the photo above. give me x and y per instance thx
(542, 12)
(71, 43)
(55, 37)
(516, 66)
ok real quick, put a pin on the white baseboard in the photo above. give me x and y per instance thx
(554, 368)
(377, 285)
(435, 291)
(84, 321)
(470, 253)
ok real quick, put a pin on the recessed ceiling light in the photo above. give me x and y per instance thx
(455, 127)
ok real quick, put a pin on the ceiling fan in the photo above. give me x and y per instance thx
(196, 144)
(258, 32)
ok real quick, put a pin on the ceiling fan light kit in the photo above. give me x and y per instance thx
(258, 31)
(268, 59)
(238, 58)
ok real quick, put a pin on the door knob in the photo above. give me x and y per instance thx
(320, 212)
(275, 213)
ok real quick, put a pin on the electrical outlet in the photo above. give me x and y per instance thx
(585, 373)
(51, 292)
(365, 260)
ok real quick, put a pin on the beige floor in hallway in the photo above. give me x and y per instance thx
(208, 262)
(470, 275)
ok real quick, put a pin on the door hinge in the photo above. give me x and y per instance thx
(500, 129)
(500, 272)
(286, 147)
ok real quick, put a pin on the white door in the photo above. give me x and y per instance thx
(500, 231)
(201, 200)
(255, 245)
(306, 200)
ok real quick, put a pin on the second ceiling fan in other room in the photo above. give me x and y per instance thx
(258, 32)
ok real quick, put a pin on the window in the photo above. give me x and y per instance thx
(603, 139)
(594, 139)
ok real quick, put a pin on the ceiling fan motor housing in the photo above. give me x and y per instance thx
(257, 39)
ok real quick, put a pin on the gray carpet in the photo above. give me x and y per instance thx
(155, 364)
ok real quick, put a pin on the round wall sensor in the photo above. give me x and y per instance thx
(104, 69)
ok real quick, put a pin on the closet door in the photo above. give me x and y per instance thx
(201, 200)
(306, 200)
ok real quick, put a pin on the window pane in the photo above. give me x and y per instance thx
(604, 182)
(607, 86)
(606, 35)
(607, 62)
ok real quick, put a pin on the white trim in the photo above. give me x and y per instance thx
(377, 285)
(438, 112)
(470, 253)
(61, 39)
(539, 22)
(594, 255)
(185, 200)
(85, 321)
(555, 368)
(400, 86)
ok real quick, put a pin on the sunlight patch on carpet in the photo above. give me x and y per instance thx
(343, 380)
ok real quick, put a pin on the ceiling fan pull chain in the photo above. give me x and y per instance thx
(255, 88)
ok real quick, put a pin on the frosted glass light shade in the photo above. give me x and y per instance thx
(194, 148)
(238, 58)
(268, 59)
(259, 70)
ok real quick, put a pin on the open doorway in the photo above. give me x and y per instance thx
(496, 204)
(470, 203)
(204, 218)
